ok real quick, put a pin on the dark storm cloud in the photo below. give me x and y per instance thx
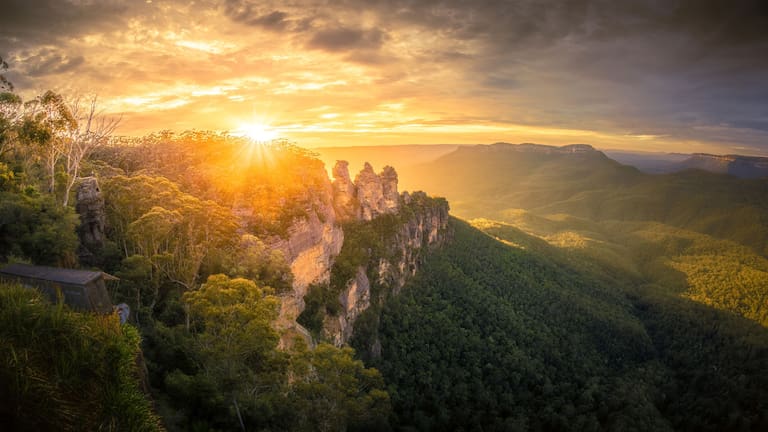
(718, 22)
(640, 63)
(30, 22)
(347, 39)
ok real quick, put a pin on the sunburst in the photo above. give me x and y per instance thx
(258, 132)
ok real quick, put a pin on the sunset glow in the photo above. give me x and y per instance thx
(356, 73)
(257, 133)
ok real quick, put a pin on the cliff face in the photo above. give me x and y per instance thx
(423, 224)
(376, 193)
(344, 200)
(310, 246)
(314, 241)
(389, 190)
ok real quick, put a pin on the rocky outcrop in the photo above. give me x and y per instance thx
(310, 245)
(355, 300)
(90, 206)
(310, 248)
(314, 240)
(369, 196)
(425, 227)
(389, 189)
(369, 193)
(344, 200)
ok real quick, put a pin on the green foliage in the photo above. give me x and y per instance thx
(274, 184)
(719, 273)
(235, 316)
(227, 367)
(62, 370)
(319, 302)
(252, 259)
(167, 236)
(35, 227)
(496, 337)
(331, 391)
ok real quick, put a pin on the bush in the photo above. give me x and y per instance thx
(64, 370)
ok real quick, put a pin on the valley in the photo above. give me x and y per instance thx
(553, 288)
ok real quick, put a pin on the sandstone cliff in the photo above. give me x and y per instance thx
(311, 243)
(406, 238)
(407, 224)
(376, 194)
(344, 200)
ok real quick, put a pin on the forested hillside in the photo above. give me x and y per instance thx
(699, 235)
(487, 181)
(500, 337)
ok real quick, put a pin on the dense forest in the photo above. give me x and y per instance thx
(494, 337)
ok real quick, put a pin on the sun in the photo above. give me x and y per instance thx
(257, 132)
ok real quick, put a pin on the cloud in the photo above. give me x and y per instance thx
(50, 61)
(347, 39)
(246, 13)
(31, 22)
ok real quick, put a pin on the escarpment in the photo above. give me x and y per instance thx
(354, 243)
(387, 252)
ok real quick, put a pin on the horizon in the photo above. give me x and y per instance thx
(644, 77)
(601, 149)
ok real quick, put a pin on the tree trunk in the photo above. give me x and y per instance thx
(239, 417)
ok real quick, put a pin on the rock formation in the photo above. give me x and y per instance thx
(310, 245)
(344, 201)
(90, 207)
(427, 227)
(310, 248)
(355, 299)
(314, 240)
(369, 193)
(389, 189)
(376, 194)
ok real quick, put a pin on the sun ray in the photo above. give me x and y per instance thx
(257, 132)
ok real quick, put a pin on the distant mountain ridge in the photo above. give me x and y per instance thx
(542, 148)
(664, 163)
(735, 165)
(490, 180)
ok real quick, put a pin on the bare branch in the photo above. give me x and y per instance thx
(92, 131)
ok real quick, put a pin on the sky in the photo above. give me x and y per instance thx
(654, 75)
